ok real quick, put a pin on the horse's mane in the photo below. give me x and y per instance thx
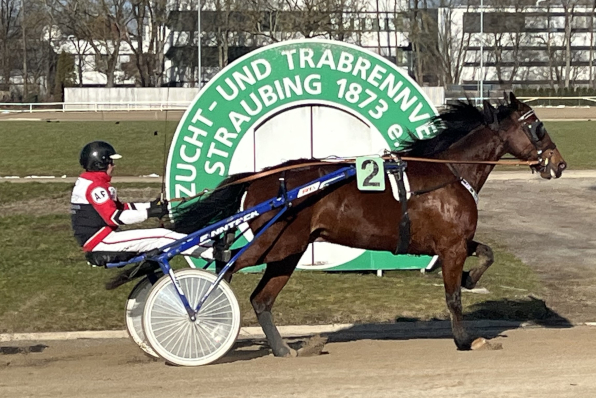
(454, 123)
(221, 203)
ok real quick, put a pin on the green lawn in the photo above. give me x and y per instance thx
(42, 148)
(52, 148)
(576, 141)
(45, 284)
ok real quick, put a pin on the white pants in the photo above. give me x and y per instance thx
(140, 240)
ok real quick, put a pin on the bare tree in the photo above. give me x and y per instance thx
(146, 36)
(506, 28)
(440, 45)
(277, 20)
(569, 9)
(591, 55)
(102, 23)
(9, 39)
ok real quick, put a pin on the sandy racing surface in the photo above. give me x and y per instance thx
(534, 363)
(548, 224)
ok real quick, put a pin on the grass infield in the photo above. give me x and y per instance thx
(52, 148)
(46, 285)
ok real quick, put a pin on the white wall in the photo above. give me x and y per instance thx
(100, 98)
(88, 98)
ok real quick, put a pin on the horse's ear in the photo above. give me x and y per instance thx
(490, 115)
(515, 103)
(513, 99)
(505, 98)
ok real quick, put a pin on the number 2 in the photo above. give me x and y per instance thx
(372, 175)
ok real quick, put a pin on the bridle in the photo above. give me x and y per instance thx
(535, 131)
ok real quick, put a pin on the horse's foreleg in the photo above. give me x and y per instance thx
(275, 278)
(485, 260)
(452, 265)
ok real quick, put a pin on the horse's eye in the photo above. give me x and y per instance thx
(537, 130)
(540, 131)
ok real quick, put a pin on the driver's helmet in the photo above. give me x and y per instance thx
(97, 156)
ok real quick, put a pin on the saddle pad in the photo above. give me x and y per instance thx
(394, 189)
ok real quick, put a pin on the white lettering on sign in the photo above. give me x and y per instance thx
(250, 89)
(309, 189)
(306, 55)
(426, 130)
(289, 59)
(198, 117)
(415, 117)
(187, 172)
(312, 84)
(261, 69)
(211, 168)
(268, 96)
(345, 62)
(394, 132)
(228, 226)
(326, 59)
(182, 191)
(360, 68)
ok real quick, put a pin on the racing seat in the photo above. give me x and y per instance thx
(101, 259)
(145, 267)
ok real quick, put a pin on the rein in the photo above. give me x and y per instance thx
(262, 174)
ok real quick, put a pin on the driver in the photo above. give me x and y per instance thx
(97, 213)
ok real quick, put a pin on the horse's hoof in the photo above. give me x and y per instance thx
(314, 346)
(286, 353)
(483, 344)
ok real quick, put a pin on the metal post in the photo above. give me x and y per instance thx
(25, 88)
(199, 43)
(481, 50)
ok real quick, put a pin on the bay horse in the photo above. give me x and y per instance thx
(443, 212)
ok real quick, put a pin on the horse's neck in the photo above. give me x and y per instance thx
(482, 144)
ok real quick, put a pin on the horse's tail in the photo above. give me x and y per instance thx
(221, 203)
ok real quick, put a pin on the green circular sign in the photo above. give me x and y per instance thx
(284, 75)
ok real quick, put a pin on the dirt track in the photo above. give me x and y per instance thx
(544, 363)
(550, 226)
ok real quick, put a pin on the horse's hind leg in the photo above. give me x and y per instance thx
(275, 278)
(452, 265)
(485, 260)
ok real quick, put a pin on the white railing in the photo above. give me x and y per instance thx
(94, 106)
(183, 105)
(580, 101)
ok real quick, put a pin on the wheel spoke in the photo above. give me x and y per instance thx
(178, 339)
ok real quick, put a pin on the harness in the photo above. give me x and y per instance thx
(536, 133)
(397, 166)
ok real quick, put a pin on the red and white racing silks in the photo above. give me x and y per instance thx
(96, 214)
(96, 210)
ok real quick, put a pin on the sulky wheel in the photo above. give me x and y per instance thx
(135, 304)
(170, 331)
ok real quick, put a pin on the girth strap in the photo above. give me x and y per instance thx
(397, 168)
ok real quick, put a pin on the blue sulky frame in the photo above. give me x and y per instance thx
(283, 201)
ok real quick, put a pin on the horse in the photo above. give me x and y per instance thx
(442, 210)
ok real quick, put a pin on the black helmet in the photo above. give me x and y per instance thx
(97, 156)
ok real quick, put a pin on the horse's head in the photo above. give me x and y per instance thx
(527, 139)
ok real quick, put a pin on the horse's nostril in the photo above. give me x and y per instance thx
(562, 166)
